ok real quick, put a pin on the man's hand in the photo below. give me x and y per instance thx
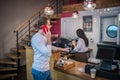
(63, 49)
(66, 49)
(48, 37)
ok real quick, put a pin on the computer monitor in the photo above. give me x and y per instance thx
(117, 47)
(117, 54)
(106, 55)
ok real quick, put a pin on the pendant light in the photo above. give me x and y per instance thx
(89, 4)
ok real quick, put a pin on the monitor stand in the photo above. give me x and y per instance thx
(103, 72)
(107, 65)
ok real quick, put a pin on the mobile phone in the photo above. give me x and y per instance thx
(45, 29)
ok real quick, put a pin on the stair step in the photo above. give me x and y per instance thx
(34, 30)
(7, 61)
(13, 56)
(30, 35)
(26, 39)
(7, 69)
(20, 50)
(3, 76)
(22, 44)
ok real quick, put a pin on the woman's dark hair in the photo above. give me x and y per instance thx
(80, 33)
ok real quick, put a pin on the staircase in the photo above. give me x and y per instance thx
(9, 66)
(6, 68)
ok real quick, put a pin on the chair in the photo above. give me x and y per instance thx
(81, 56)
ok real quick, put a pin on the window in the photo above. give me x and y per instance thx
(111, 31)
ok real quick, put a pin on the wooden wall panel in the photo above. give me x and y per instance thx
(72, 7)
(107, 3)
(99, 4)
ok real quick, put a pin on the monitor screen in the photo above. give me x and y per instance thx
(105, 53)
(117, 48)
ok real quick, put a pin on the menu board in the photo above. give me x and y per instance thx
(87, 23)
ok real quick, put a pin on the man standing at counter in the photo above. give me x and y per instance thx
(41, 44)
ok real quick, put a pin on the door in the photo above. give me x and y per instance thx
(109, 29)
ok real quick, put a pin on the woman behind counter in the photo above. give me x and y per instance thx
(82, 43)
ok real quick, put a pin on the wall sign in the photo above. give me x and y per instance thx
(87, 23)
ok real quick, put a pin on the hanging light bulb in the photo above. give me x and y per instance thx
(48, 11)
(89, 5)
(75, 14)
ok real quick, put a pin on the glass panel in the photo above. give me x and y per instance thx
(112, 31)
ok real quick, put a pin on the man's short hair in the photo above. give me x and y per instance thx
(41, 22)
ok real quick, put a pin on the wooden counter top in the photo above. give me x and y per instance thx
(74, 71)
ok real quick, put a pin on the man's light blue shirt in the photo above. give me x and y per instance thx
(42, 52)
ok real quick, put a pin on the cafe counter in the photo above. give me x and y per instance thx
(74, 70)
(59, 74)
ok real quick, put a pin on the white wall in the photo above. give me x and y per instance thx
(12, 14)
(70, 25)
(118, 38)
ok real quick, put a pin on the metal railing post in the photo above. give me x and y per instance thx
(57, 7)
(17, 46)
(39, 15)
(63, 2)
(29, 29)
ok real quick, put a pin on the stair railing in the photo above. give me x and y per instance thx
(25, 28)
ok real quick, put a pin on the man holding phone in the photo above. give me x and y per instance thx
(42, 46)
